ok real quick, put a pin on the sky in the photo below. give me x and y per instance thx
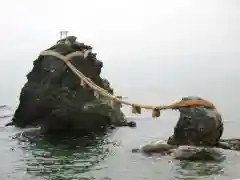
(153, 51)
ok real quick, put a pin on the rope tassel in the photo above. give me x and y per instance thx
(83, 84)
(96, 94)
(155, 113)
(111, 101)
(119, 97)
(136, 109)
(115, 104)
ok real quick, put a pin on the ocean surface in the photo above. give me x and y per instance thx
(110, 157)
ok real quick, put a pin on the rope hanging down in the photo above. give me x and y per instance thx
(136, 108)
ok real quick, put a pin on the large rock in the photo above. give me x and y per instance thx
(197, 136)
(198, 126)
(53, 99)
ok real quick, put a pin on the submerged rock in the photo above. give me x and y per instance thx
(232, 144)
(53, 99)
(193, 153)
(197, 153)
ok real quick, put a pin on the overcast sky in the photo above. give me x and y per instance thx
(153, 51)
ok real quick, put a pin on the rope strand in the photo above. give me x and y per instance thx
(66, 59)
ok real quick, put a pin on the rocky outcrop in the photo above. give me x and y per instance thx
(198, 126)
(196, 136)
(53, 99)
(194, 153)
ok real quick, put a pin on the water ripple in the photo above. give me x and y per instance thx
(61, 159)
(27, 155)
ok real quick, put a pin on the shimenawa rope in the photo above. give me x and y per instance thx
(98, 90)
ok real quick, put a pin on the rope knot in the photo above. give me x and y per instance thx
(156, 112)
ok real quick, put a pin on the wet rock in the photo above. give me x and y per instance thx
(197, 153)
(132, 124)
(192, 153)
(198, 126)
(161, 148)
(157, 147)
(232, 144)
(53, 99)
(196, 136)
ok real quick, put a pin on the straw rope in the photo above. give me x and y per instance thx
(98, 90)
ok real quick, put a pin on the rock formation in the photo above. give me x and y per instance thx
(198, 126)
(197, 136)
(53, 98)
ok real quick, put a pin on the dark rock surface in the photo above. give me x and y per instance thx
(197, 136)
(197, 126)
(53, 99)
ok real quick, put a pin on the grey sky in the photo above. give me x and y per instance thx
(149, 48)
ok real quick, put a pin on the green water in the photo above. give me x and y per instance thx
(102, 158)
